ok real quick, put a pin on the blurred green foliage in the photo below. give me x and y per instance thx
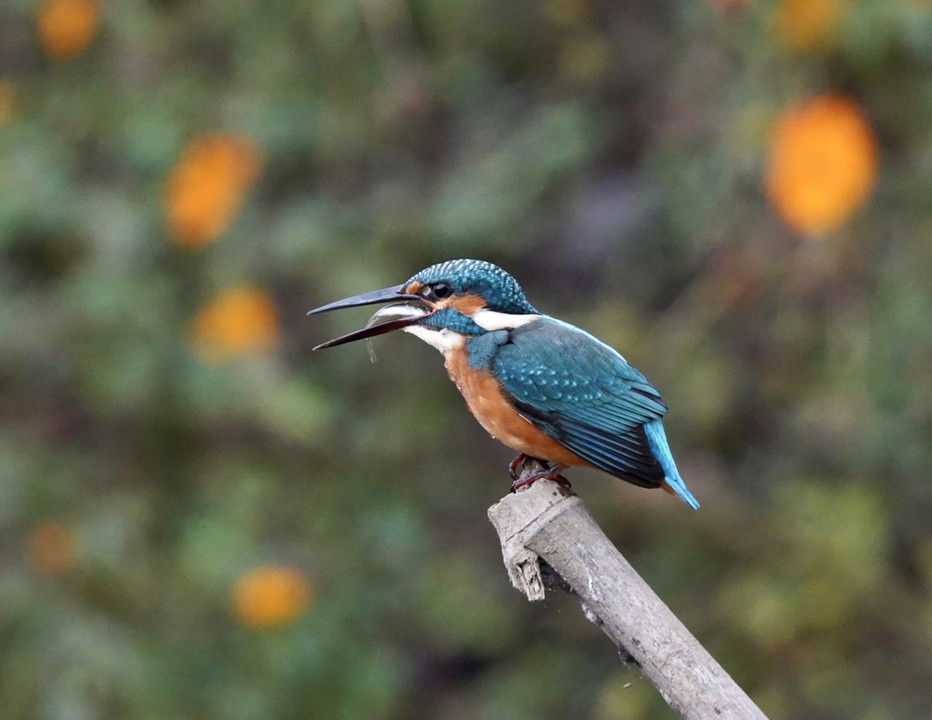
(610, 155)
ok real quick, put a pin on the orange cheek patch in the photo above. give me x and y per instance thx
(467, 304)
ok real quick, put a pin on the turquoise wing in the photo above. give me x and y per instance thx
(584, 395)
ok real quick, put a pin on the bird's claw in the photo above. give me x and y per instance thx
(550, 473)
(514, 467)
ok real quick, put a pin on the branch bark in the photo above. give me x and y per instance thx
(547, 523)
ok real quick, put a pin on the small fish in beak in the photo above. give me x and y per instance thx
(396, 316)
(392, 313)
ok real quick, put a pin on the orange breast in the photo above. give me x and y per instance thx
(483, 395)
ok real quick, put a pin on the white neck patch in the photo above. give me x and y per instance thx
(446, 341)
(492, 320)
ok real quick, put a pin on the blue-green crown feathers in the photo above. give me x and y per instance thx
(477, 277)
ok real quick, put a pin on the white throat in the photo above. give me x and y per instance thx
(446, 341)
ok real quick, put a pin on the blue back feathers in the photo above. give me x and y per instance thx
(586, 396)
(477, 277)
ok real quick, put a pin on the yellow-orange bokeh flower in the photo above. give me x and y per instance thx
(807, 24)
(242, 320)
(205, 189)
(52, 548)
(66, 27)
(270, 596)
(823, 164)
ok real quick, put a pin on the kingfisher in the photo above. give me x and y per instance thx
(541, 386)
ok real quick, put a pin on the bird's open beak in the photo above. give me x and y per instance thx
(393, 317)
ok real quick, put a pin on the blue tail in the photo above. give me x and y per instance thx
(657, 440)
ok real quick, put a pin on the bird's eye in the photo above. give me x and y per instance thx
(442, 290)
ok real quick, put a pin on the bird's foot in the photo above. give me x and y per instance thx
(551, 473)
(514, 467)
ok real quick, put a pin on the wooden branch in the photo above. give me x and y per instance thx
(546, 522)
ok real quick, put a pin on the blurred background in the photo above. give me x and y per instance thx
(201, 519)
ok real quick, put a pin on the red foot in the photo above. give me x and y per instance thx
(514, 467)
(551, 473)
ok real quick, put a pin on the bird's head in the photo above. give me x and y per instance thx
(443, 304)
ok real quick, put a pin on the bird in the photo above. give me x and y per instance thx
(541, 386)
